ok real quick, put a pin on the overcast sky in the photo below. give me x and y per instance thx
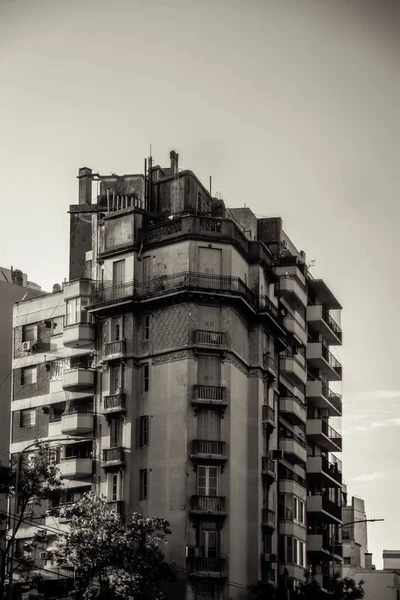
(291, 106)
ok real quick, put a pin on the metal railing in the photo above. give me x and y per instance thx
(113, 454)
(268, 517)
(332, 469)
(114, 401)
(116, 347)
(208, 503)
(268, 413)
(209, 338)
(327, 430)
(213, 393)
(202, 564)
(78, 410)
(208, 447)
(268, 465)
(330, 359)
(288, 475)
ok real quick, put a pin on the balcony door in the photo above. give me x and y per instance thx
(116, 427)
(210, 318)
(118, 272)
(208, 425)
(209, 370)
(209, 540)
(207, 481)
(210, 261)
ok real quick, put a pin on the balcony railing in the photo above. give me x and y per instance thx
(269, 362)
(116, 347)
(289, 435)
(331, 507)
(113, 455)
(330, 359)
(202, 564)
(268, 413)
(268, 465)
(209, 338)
(287, 474)
(209, 392)
(268, 517)
(208, 503)
(208, 447)
(114, 402)
(334, 469)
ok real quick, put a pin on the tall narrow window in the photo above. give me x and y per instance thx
(146, 268)
(114, 487)
(145, 377)
(116, 329)
(118, 272)
(116, 379)
(116, 427)
(209, 370)
(207, 481)
(143, 431)
(209, 539)
(208, 425)
(147, 327)
(143, 484)
(28, 375)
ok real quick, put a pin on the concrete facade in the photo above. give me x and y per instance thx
(182, 351)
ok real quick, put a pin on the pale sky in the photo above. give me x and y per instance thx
(290, 105)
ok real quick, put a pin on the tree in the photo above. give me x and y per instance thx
(38, 479)
(111, 561)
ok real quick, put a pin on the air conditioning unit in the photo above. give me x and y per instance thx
(28, 346)
(277, 455)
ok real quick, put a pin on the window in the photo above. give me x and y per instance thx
(116, 379)
(116, 329)
(118, 272)
(72, 308)
(28, 375)
(207, 481)
(147, 327)
(29, 333)
(84, 450)
(116, 427)
(297, 554)
(208, 425)
(58, 367)
(209, 539)
(28, 418)
(114, 495)
(209, 370)
(143, 484)
(145, 377)
(143, 431)
(57, 325)
(146, 268)
(298, 510)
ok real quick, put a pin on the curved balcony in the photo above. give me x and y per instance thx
(76, 422)
(79, 335)
(294, 448)
(78, 379)
(293, 368)
(76, 468)
(293, 409)
(297, 329)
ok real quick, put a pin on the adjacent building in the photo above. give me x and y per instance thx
(354, 537)
(189, 357)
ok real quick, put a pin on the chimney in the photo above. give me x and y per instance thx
(85, 185)
(174, 161)
(368, 560)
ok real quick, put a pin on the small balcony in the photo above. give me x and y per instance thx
(114, 350)
(268, 418)
(211, 339)
(113, 457)
(208, 567)
(114, 403)
(321, 358)
(268, 518)
(268, 468)
(297, 329)
(212, 396)
(270, 365)
(76, 468)
(320, 546)
(321, 321)
(293, 409)
(291, 287)
(293, 369)
(269, 313)
(78, 379)
(208, 505)
(294, 448)
(321, 470)
(320, 432)
(209, 450)
(79, 335)
(323, 397)
(77, 422)
(324, 508)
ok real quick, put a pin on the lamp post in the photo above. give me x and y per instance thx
(335, 540)
(35, 444)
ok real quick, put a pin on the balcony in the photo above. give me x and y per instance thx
(211, 396)
(324, 508)
(79, 335)
(323, 397)
(114, 403)
(321, 470)
(293, 409)
(268, 518)
(76, 468)
(270, 313)
(113, 457)
(114, 350)
(297, 329)
(268, 418)
(320, 544)
(76, 422)
(291, 286)
(210, 450)
(319, 357)
(322, 293)
(270, 365)
(321, 321)
(208, 505)
(211, 339)
(293, 369)
(268, 468)
(320, 432)
(78, 379)
(207, 567)
(294, 448)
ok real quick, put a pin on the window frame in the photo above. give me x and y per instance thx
(143, 484)
(30, 327)
(146, 330)
(31, 411)
(24, 370)
(145, 372)
(143, 431)
(298, 510)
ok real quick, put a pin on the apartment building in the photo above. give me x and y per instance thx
(354, 537)
(189, 353)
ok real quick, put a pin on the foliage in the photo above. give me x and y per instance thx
(339, 589)
(38, 480)
(113, 562)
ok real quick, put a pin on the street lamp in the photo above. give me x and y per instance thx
(36, 444)
(335, 540)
